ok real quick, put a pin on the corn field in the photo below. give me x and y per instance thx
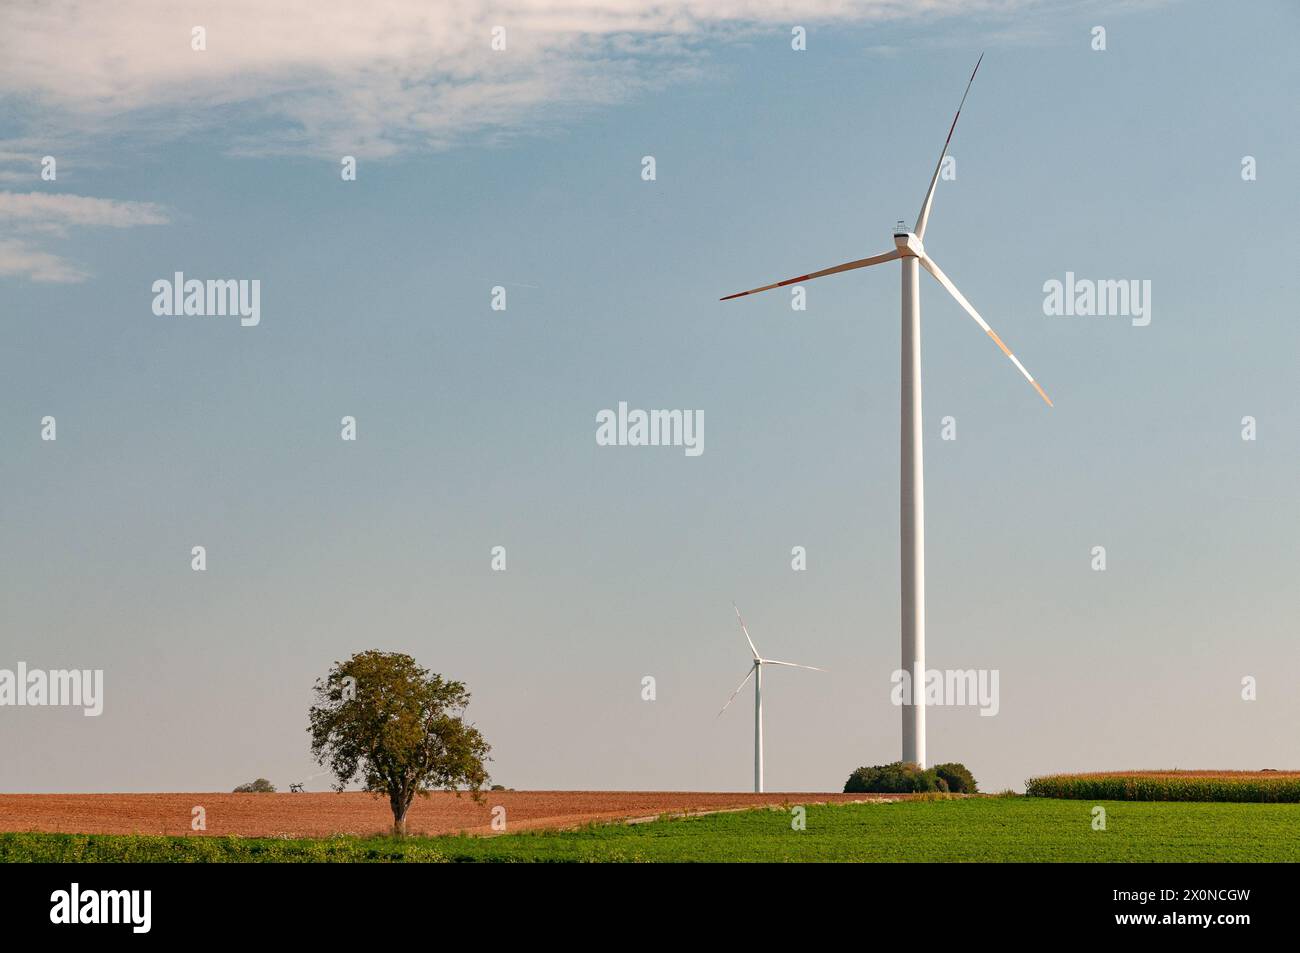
(1262, 786)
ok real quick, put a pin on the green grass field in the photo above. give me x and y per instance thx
(977, 829)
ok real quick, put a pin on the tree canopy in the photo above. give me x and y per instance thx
(396, 728)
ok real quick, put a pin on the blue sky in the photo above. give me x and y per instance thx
(476, 427)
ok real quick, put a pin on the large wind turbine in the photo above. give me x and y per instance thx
(756, 673)
(910, 252)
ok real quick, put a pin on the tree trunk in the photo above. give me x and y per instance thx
(399, 815)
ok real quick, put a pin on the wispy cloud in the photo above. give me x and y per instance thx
(336, 77)
(52, 214)
(18, 259)
(18, 167)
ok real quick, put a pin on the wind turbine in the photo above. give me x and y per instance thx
(910, 252)
(756, 673)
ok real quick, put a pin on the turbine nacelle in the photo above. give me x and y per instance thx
(909, 246)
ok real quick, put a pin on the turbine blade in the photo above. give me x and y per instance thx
(738, 688)
(847, 266)
(929, 265)
(924, 217)
(745, 630)
(772, 661)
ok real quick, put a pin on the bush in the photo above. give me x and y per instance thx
(260, 786)
(957, 776)
(896, 778)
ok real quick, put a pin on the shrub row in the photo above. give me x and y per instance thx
(907, 778)
(1140, 787)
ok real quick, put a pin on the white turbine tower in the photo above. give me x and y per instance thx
(756, 673)
(910, 252)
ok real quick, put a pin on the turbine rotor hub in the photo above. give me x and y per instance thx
(909, 245)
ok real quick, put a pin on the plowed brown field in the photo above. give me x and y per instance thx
(322, 815)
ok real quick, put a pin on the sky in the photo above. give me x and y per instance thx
(523, 168)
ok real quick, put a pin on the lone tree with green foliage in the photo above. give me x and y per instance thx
(397, 728)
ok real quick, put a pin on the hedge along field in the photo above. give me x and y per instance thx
(1279, 787)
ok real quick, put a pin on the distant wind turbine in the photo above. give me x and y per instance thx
(909, 250)
(756, 673)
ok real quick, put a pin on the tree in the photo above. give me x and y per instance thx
(260, 786)
(397, 728)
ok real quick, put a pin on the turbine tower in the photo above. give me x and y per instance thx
(756, 672)
(911, 253)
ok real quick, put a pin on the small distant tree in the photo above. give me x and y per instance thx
(260, 786)
(397, 728)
